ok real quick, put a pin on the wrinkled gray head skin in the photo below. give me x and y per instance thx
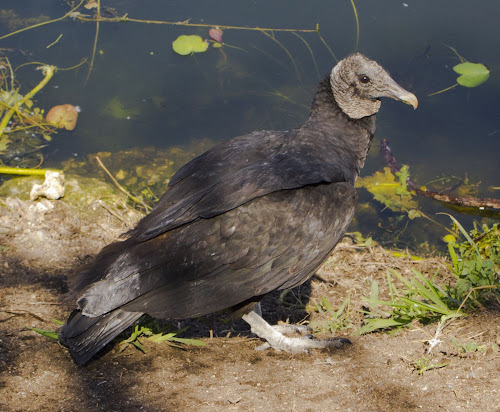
(358, 83)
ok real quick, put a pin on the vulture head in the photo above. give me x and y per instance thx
(358, 83)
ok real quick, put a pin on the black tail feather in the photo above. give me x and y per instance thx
(85, 336)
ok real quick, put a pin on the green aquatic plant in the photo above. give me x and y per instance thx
(97, 18)
(12, 104)
(471, 74)
(117, 109)
(25, 171)
(391, 190)
(189, 44)
(24, 128)
(357, 23)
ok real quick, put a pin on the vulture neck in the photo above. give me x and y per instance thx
(347, 140)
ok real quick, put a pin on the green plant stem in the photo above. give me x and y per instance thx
(443, 90)
(357, 23)
(94, 49)
(125, 18)
(326, 44)
(186, 23)
(43, 126)
(5, 170)
(44, 22)
(285, 50)
(49, 72)
(310, 51)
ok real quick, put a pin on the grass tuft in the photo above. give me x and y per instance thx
(151, 330)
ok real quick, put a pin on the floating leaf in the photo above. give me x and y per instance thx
(185, 45)
(389, 191)
(472, 74)
(216, 34)
(63, 116)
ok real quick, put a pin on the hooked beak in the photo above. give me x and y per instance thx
(395, 91)
(408, 98)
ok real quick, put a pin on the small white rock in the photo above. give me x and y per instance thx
(52, 188)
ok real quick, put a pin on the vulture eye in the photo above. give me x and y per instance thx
(364, 79)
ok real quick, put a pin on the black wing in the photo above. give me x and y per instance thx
(273, 242)
(238, 171)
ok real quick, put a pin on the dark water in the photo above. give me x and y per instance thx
(166, 99)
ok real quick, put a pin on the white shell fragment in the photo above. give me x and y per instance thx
(52, 188)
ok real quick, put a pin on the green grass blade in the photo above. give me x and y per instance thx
(427, 306)
(192, 342)
(326, 305)
(469, 239)
(405, 281)
(138, 345)
(427, 290)
(47, 333)
(375, 324)
(342, 308)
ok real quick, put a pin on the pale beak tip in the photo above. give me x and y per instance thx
(409, 98)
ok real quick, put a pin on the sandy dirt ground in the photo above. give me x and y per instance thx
(41, 246)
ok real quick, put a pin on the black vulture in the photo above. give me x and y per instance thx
(254, 214)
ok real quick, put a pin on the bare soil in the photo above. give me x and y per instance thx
(377, 372)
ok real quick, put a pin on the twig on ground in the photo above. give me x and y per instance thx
(119, 186)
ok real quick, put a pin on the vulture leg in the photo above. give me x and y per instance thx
(289, 328)
(276, 340)
(286, 329)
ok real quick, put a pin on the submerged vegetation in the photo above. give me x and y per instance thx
(392, 191)
(24, 130)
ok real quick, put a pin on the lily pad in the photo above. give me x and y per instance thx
(185, 45)
(63, 116)
(472, 74)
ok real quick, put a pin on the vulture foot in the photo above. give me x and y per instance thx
(276, 340)
(289, 329)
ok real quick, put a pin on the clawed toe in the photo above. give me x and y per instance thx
(276, 340)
